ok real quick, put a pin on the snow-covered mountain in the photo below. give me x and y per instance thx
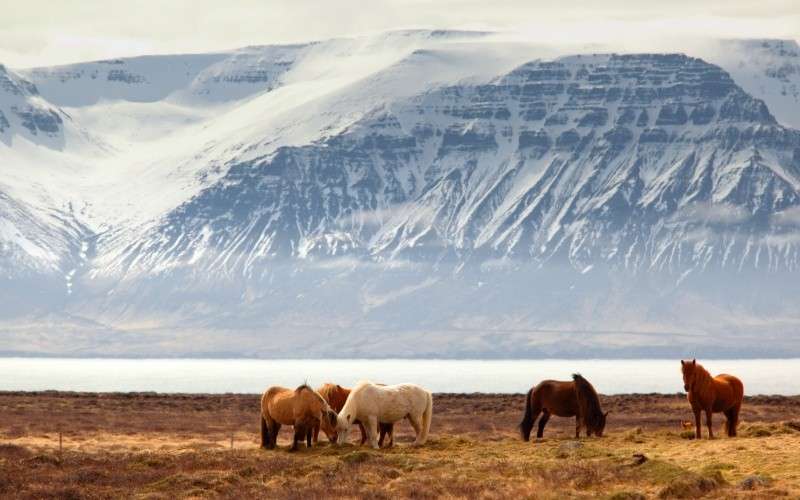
(412, 193)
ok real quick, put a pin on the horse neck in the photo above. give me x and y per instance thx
(348, 407)
(341, 397)
(584, 390)
(327, 392)
(701, 378)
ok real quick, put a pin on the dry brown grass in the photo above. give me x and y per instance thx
(168, 446)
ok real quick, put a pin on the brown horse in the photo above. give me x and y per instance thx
(302, 408)
(564, 399)
(336, 395)
(723, 393)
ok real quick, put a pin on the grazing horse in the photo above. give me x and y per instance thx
(564, 399)
(302, 408)
(723, 393)
(336, 395)
(372, 404)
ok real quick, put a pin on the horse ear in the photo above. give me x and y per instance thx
(694, 362)
(682, 363)
(339, 387)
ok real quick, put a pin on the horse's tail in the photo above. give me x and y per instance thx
(732, 415)
(427, 416)
(526, 426)
(265, 439)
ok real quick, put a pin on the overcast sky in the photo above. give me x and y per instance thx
(42, 32)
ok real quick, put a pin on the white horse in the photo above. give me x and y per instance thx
(369, 404)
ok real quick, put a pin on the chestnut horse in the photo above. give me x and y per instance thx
(564, 399)
(302, 408)
(723, 393)
(336, 395)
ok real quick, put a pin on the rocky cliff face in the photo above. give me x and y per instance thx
(651, 162)
(23, 111)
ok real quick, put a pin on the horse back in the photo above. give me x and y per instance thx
(728, 391)
(388, 402)
(277, 403)
(557, 397)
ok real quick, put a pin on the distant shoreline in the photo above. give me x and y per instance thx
(760, 398)
(452, 376)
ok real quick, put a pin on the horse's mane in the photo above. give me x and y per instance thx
(306, 387)
(588, 401)
(326, 389)
(700, 373)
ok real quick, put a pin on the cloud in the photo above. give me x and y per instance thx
(722, 214)
(34, 32)
(788, 217)
(373, 219)
(782, 240)
(497, 265)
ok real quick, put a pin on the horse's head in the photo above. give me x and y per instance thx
(343, 423)
(599, 426)
(327, 423)
(687, 368)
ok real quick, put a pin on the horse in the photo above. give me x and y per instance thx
(371, 404)
(723, 393)
(302, 408)
(564, 399)
(336, 395)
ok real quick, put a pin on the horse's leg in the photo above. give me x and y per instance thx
(416, 423)
(265, 439)
(299, 434)
(316, 434)
(276, 426)
(372, 431)
(272, 430)
(733, 420)
(389, 429)
(708, 423)
(309, 432)
(363, 432)
(532, 411)
(386, 430)
(698, 431)
(542, 423)
(727, 425)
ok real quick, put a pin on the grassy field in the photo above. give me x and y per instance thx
(168, 446)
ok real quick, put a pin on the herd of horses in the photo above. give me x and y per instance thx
(375, 408)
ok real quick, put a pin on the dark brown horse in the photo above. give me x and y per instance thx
(723, 393)
(564, 399)
(336, 396)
